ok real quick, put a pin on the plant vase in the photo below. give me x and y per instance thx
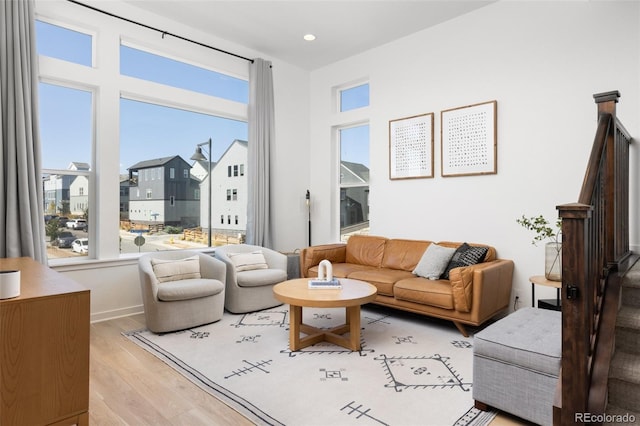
(553, 261)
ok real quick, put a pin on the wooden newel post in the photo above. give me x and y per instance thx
(575, 302)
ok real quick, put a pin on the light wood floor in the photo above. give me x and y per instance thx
(129, 386)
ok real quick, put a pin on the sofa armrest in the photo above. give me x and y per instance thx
(496, 274)
(311, 256)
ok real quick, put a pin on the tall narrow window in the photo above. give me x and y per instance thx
(354, 180)
(65, 115)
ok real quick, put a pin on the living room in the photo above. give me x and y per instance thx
(541, 62)
(546, 118)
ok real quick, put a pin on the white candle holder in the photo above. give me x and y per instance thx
(9, 284)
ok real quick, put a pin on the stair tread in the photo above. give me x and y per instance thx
(629, 317)
(625, 366)
(613, 411)
(632, 277)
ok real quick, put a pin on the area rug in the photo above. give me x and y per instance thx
(410, 370)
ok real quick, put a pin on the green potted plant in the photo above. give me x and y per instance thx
(545, 231)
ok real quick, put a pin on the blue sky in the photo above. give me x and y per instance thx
(150, 131)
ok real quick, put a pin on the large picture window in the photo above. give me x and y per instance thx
(138, 124)
(161, 139)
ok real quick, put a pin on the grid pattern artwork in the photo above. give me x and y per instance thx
(469, 140)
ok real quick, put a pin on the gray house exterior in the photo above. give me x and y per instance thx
(162, 191)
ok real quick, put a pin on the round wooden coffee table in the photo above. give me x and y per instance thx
(351, 296)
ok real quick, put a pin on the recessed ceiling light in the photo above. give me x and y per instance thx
(309, 37)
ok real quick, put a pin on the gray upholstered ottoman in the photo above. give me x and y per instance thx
(516, 362)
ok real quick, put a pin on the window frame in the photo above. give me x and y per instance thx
(108, 87)
(343, 120)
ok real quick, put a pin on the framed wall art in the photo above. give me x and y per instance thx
(469, 140)
(411, 147)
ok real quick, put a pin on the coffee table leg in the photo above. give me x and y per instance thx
(353, 319)
(295, 320)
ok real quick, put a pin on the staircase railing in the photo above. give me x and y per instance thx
(595, 249)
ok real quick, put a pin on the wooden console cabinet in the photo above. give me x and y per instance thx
(44, 349)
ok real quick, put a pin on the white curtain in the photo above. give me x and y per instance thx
(261, 136)
(21, 209)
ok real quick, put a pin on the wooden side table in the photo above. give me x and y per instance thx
(547, 303)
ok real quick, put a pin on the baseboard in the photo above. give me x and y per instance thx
(116, 313)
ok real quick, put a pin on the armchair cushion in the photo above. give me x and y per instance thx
(167, 270)
(248, 261)
(189, 289)
(260, 277)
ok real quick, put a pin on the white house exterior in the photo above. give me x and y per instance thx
(79, 195)
(56, 188)
(229, 202)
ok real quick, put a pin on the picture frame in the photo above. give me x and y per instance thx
(469, 140)
(411, 147)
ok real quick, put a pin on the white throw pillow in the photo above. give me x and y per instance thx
(175, 270)
(434, 261)
(248, 261)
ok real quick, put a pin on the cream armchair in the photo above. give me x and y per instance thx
(181, 289)
(252, 271)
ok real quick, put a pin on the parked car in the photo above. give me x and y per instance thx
(49, 217)
(77, 224)
(81, 245)
(65, 239)
(62, 221)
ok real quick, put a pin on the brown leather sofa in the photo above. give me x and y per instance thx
(472, 295)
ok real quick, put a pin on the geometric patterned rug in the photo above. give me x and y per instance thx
(411, 370)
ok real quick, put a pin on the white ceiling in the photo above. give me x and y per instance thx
(342, 28)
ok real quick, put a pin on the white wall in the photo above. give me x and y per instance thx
(542, 62)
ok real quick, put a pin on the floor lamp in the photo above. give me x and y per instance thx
(308, 200)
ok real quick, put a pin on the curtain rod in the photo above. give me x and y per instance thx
(159, 30)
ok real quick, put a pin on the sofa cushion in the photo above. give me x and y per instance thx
(365, 250)
(403, 254)
(342, 270)
(434, 261)
(465, 255)
(260, 277)
(382, 278)
(167, 270)
(427, 292)
(189, 289)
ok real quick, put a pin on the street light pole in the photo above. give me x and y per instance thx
(199, 157)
